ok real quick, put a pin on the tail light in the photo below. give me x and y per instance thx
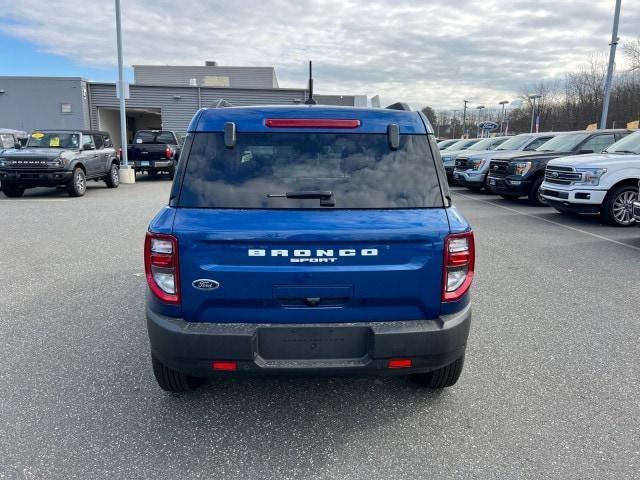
(161, 266)
(120, 153)
(168, 152)
(311, 123)
(458, 266)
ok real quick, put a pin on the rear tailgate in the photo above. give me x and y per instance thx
(148, 152)
(304, 266)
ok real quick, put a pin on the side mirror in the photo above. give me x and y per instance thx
(88, 146)
(17, 146)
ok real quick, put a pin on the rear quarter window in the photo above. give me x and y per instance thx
(360, 170)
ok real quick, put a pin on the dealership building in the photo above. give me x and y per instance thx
(164, 97)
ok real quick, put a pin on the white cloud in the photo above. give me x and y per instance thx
(423, 52)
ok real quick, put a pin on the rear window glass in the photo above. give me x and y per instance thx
(154, 137)
(359, 171)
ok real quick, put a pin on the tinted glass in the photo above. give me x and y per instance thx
(514, 143)
(598, 143)
(97, 139)
(147, 137)
(629, 144)
(107, 142)
(537, 142)
(463, 144)
(563, 143)
(360, 170)
(53, 140)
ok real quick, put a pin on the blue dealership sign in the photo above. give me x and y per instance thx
(488, 125)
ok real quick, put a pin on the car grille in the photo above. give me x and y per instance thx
(462, 163)
(23, 163)
(561, 175)
(498, 168)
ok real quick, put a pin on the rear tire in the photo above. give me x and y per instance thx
(171, 380)
(113, 177)
(12, 191)
(443, 377)
(77, 185)
(617, 206)
(172, 172)
(534, 196)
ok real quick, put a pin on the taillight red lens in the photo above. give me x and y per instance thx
(168, 152)
(224, 366)
(458, 266)
(161, 266)
(400, 363)
(310, 123)
(120, 153)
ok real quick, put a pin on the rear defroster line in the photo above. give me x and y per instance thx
(568, 227)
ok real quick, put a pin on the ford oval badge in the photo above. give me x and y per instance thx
(205, 284)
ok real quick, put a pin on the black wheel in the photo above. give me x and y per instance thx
(534, 196)
(172, 172)
(617, 209)
(509, 197)
(113, 178)
(77, 184)
(12, 191)
(443, 377)
(170, 380)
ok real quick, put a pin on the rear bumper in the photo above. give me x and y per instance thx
(309, 348)
(152, 164)
(32, 178)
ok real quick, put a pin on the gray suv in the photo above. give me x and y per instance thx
(65, 158)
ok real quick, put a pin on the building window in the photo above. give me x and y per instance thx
(65, 108)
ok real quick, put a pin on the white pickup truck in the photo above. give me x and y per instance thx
(604, 183)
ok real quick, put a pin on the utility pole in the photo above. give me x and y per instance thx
(127, 175)
(479, 132)
(504, 104)
(612, 60)
(533, 99)
(464, 118)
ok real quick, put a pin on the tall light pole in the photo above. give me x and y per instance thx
(533, 99)
(464, 118)
(127, 175)
(479, 107)
(612, 59)
(453, 124)
(504, 105)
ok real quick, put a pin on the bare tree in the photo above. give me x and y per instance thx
(632, 50)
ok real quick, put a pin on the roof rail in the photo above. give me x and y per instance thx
(222, 103)
(399, 106)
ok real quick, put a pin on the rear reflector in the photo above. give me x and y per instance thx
(310, 123)
(224, 366)
(400, 363)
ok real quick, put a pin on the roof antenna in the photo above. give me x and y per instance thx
(310, 100)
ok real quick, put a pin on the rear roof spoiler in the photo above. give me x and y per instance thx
(399, 106)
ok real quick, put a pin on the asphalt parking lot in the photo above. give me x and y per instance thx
(550, 388)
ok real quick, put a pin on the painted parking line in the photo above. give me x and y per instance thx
(35, 200)
(568, 227)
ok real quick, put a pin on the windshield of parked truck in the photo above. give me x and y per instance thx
(487, 144)
(303, 170)
(514, 143)
(154, 137)
(53, 140)
(629, 144)
(463, 144)
(563, 143)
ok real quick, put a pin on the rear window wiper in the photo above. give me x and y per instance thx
(325, 196)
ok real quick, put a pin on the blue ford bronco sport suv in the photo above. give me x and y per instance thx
(307, 239)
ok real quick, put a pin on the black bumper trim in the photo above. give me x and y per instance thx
(573, 207)
(190, 347)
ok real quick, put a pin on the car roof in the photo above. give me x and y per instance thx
(68, 130)
(252, 119)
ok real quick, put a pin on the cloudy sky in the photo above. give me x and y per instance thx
(426, 52)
